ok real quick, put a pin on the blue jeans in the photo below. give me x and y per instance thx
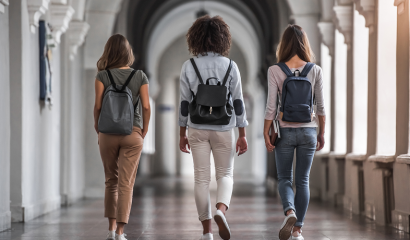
(304, 141)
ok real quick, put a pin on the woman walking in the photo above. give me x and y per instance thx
(297, 123)
(120, 140)
(211, 106)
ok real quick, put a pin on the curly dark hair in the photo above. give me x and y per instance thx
(209, 35)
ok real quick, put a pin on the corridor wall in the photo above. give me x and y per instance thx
(5, 214)
(35, 148)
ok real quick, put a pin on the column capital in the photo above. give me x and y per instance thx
(400, 6)
(344, 2)
(327, 32)
(76, 35)
(366, 8)
(344, 21)
(36, 8)
(60, 19)
(3, 4)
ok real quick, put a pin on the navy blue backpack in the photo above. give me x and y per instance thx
(297, 96)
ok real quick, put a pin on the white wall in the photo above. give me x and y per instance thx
(36, 126)
(4, 122)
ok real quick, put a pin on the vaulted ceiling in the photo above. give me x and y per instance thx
(266, 16)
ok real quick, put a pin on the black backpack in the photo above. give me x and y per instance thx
(297, 97)
(210, 105)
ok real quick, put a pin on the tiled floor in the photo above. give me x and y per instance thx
(165, 209)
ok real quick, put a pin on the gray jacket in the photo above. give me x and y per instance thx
(212, 65)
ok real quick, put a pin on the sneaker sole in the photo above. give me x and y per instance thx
(223, 230)
(286, 231)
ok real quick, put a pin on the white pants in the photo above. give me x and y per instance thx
(222, 145)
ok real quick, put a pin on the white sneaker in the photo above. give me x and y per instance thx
(224, 230)
(120, 237)
(297, 235)
(208, 236)
(287, 225)
(111, 235)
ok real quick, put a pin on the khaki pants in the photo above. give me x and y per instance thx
(120, 155)
(222, 146)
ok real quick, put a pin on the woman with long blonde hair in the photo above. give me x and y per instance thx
(120, 154)
(294, 55)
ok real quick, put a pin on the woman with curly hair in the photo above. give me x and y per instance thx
(210, 126)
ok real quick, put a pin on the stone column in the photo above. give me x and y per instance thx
(401, 168)
(354, 200)
(381, 109)
(327, 32)
(5, 214)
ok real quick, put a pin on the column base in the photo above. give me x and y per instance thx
(401, 220)
(27, 213)
(5, 221)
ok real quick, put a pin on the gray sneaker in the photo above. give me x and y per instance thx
(287, 226)
(111, 235)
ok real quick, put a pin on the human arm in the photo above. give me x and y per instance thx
(320, 109)
(235, 87)
(266, 128)
(271, 108)
(146, 108)
(99, 92)
(320, 136)
(185, 97)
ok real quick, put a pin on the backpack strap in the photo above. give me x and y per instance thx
(307, 69)
(228, 72)
(112, 80)
(285, 69)
(128, 80)
(198, 74)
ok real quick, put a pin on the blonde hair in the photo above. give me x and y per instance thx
(294, 42)
(117, 53)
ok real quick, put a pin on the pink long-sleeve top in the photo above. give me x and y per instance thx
(276, 77)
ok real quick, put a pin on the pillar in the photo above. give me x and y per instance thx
(401, 168)
(5, 214)
(354, 200)
(381, 113)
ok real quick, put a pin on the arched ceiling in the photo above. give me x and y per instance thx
(263, 15)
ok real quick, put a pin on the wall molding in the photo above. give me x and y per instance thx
(3, 5)
(366, 8)
(60, 19)
(327, 31)
(36, 8)
(5, 220)
(27, 213)
(76, 35)
(344, 22)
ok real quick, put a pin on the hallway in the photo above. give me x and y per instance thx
(164, 208)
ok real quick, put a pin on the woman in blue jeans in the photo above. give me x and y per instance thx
(294, 50)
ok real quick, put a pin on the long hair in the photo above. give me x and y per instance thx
(294, 42)
(117, 53)
(209, 35)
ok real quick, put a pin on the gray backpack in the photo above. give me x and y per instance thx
(117, 111)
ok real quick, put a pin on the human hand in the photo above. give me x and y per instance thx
(144, 132)
(268, 144)
(320, 142)
(241, 146)
(183, 142)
